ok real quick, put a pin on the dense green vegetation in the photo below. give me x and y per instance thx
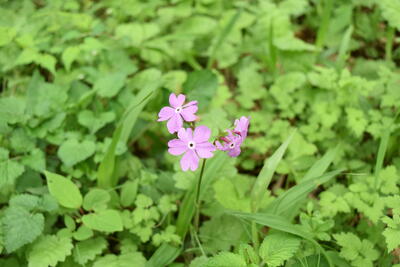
(85, 174)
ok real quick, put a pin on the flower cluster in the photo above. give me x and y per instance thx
(193, 142)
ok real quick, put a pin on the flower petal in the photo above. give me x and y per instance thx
(188, 113)
(234, 152)
(191, 103)
(204, 150)
(189, 161)
(185, 134)
(165, 113)
(201, 134)
(221, 147)
(177, 147)
(242, 126)
(175, 123)
(176, 101)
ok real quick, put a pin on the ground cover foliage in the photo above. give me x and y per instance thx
(85, 176)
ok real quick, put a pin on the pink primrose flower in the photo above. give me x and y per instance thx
(242, 126)
(178, 112)
(193, 144)
(232, 142)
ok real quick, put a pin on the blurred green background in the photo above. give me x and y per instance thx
(72, 71)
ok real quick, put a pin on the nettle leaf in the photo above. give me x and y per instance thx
(49, 250)
(28, 202)
(88, 250)
(278, 247)
(104, 220)
(64, 190)
(20, 227)
(110, 84)
(72, 151)
(96, 199)
(226, 259)
(124, 260)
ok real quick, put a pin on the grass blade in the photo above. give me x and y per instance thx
(105, 171)
(266, 173)
(163, 256)
(281, 224)
(344, 47)
(295, 194)
(321, 165)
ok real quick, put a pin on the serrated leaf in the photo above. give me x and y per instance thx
(88, 250)
(72, 151)
(49, 250)
(278, 247)
(64, 190)
(226, 259)
(391, 12)
(20, 227)
(124, 260)
(104, 220)
(96, 199)
(392, 237)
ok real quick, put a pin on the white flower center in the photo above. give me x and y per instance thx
(178, 110)
(231, 145)
(191, 145)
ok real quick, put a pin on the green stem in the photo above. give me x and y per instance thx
(389, 43)
(198, 200)
(254, 233)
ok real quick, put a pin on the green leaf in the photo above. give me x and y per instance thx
(320, 166)
(164, 255)
(70, 55)
(64, 190)
(391, 12)
(96, 199)
(49, 250)
(201, 85)
(110, 84)
(266, 173)
(278, 247)
(95, 122)
(83, 233)
(6, 35)
(124, 260)
(392, 237)
(294, 195)
(281, 224)
(128, 193)
(9, 172)
(20, 227)
(226, 259)
(355, 250)
(104, 220)
(88, 250)
(72, 151)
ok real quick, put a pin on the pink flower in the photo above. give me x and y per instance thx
(242, 126)
(235, 138)
(178, 112)
(193, 145)
(231, 143)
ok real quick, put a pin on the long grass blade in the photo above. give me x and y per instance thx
(163, 256)
(266, 173)
(294, 195)
(321, 165)
(281, 224)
